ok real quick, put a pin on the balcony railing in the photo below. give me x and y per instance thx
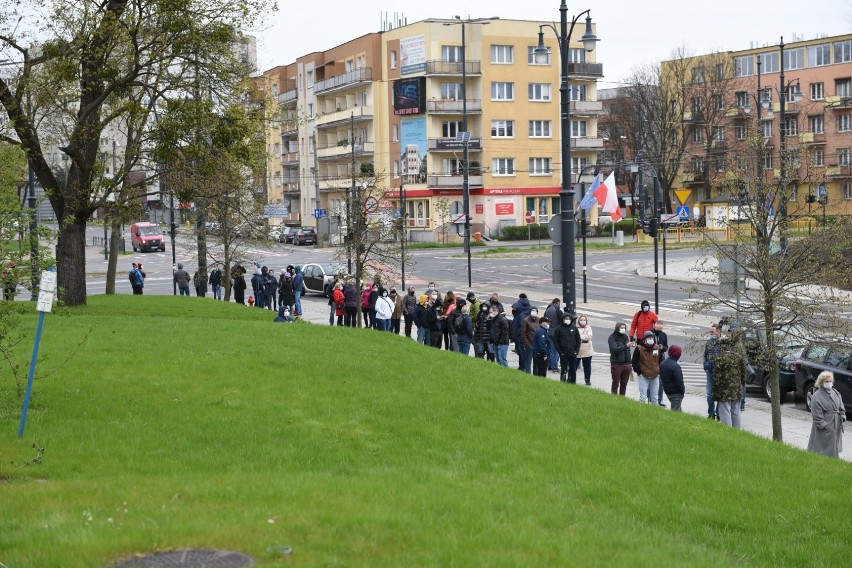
(291, 187)
(585, 69)
(437, 67)
(349, 78)
(586, 143)
(345, 150)
(453, 144)
(842, 170)
(586, 107)
(359, 112)
(288, 96)
(453, 106)
(290, 158)
(453, 181)
(812, 138)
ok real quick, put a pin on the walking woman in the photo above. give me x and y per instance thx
(828, 414)
(584, 355)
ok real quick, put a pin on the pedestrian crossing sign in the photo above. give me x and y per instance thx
(683, 212)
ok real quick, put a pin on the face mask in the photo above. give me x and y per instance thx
(649, 341)
(384, 295)
(828, 386)
(567, 321)
(545, 325)
(622, 330)
(582, 323)
(645, 308)
(492, 315)
(534, 313)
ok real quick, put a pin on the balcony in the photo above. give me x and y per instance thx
(812, 138)
(344, 81)
(453, 106)
(837, 101)
(586, 107)
(291, 187)
(288, 96)
(335, 183)
(290, 159)
(585, 70)
(587, 143)
(841, 171)
(692, 178)
(453, 181)
(435, 67)
(344, 116)
(345, 150)
(453, 145)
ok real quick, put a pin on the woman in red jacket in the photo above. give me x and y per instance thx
(643, 321)
(339, 302)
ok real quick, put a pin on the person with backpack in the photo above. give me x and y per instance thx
(499, 335)
(464, 328)
(137, 281)
(257, 287)
(528, 329)
(643, 321)
(567, 340)
(298, 290)
(215, 282)
(541, 348)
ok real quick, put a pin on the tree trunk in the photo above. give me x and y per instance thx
(71, 262)
(201, 239)
(112, 266)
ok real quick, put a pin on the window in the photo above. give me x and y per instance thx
(818, 156)
(540, 167)
(817, 124)
(350, 65)
(698, 135)
(531, 56)
(767, 161)
(579, 129)
(453, 166)
(719, 133)
(503, 167)
(451, 128)
(539, 92)
(698, 104)
(844, 122)
(502, 91)
(395, 130)
(576, 55)
(794, 193)
(502, 128)
(847, 190)
(698, 74)
(393, 60)
(577, 166)
(817, 91)
(794, 59)
(577, 93)
(790, 127)
(766, 128)
(451, 91)
(741, 131)
(310, 110)
(742, 99)
(278, 179)
(769, 62)
(396, 169)
(795, 160)
(843, 51)
(502, 54)
(451, 53)
(697, 165)
(720, 164)
(363, 99)
(843, 87)
(843, 156)
(274, 94)
(719, 102)
(277, 150)
(745, 66)
(540, 129)
(819, 55)
(721, 72)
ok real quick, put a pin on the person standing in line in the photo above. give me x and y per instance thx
(298, 290)
(671, 377)
(350, 306)
(270, 290)
(419, 318)
(567, 341)
(646, 363)
(339, 299)
(215, 282)
(662, 340)
(449, 310)
(520, 312)
(541, 348)
(238, 276)
(464, 329)
(257, 287)
(181, 278)
(527, 337)
(409, 302)
(619, 358)
(711, 350)
(475, 305)
(384, 310)
(495, 301)
(365, 305)
(499, 335)
(286, 291)
(481, 332)
(434, 320)
(136, 280)
(554, 314)
(828, 414)
(643, 321)
(584, 355)
(196, 282)
(729, 377)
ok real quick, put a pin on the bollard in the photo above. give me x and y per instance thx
(619, 238)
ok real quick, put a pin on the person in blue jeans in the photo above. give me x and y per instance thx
(711, 350)
(298, 285)
(499, 337)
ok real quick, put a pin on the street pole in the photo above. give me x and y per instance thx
(403, 218)
(173, 234)
(583, 232)
(465, 157)
(31, 203)
(656, 213)
(349, 199)
(782, 199)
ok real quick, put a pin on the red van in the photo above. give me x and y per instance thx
(147, 236)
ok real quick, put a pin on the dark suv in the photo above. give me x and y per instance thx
(818, 356)
(789, 345)
(305, 236)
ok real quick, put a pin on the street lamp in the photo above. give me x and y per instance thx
(566, 194)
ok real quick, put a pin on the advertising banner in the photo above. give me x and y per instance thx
(409, 96)
(413, 54)
(413, 142)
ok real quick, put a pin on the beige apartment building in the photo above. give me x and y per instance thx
(817, 130)
(393, 102)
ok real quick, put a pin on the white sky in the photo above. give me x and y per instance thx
(632, 32)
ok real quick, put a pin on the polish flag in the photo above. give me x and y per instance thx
(607, 197)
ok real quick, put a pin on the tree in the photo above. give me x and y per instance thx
(91, 56)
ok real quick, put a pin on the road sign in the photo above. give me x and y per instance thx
(683, 212)
(554, 227)
(371, 205)
(320, 213)
(683, 195)
(529, 217)
(823, 190)
(46, 291)
(458, 219)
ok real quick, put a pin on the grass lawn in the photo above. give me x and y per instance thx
(188, 423)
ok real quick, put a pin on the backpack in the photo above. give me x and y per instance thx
(458, 324)
(135, 277)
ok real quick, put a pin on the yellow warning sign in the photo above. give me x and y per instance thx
(683, 195)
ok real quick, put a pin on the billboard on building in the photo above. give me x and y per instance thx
(413, 142)
(412, 51)
(409, 96)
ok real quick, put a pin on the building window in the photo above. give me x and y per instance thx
(278, 179)
(817, 124)
(697, 135)
(742, 99)
(817, 91)
(767, 161)
(310, 76)
(503, 167)
(794, 158)
(794, 59)
(847, 190)
(579, 129)
(277, 151)
(576, 55)
(790, 127)
(396, 169)
(502, 91)
(719, 133)
(310, 110)
(721, 72)
(451, 53)
(769, 62)
(719, 102)
(697, 165)
(502, 54)
(577, 93)
(844, 122)
(539, 92)
(818, 156)
(577, 166)
(794, 193)
(698, 74)
(745, 66)
(540, 129)
(720, 164)
(741, 131)
(395, 130)
(451, 91)
(843, 51)
(393, 60)
(450, 129)
(502, 128)
(819, 55)
(843, 87)
(540, 167)
(843, 156)
(697, 105)
(531, 56)
(766, 128)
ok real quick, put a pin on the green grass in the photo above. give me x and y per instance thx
(185, 423)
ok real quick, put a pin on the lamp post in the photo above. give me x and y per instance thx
(566, 194)
(349, 196)
(403, 219)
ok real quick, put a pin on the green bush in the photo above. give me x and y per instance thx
(522, 233)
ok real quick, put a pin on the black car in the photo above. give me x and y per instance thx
(305, 236)
(287, 234)
(789, 344)
(819, 356)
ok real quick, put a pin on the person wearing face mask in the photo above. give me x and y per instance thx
(567, 341)
(828, 414)
(419, 318)
(520, 312)
(499, 335)
(434, 320)
(384, 310)
(643, 321)
(396, 317)
(409, 302)
(463, 327)
(646, 363)
(584, 355)
(663, 340)
(482, 332)
(541, 348)
(528, 330)
(729, 376)
(671, 377)
(619, 358)
(711, 350)
(554, 314)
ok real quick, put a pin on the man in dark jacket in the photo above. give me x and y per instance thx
(541, 348)
(671, 377)
(553, 313)
(619, 358)
(238, 276)
(257, 288)
(567, 340)
(215, 282)
(482, 332)
(525, 339)
(499, 335)
(409, 302)
(434, 321)
(270, 290)
(298, 288)
(663, 341)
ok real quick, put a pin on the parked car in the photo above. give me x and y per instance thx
(305, 236)
(317, 276)
(147, 236)
(789, 342)
(819, 356)
(274, 234)
(287, 234)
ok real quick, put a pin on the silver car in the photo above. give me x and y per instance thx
(318, 276)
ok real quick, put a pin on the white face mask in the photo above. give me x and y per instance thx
(534, 313)
(622, 330)
(545, 325)
(828, 386)
(649, 341)
(582, 322)
(567, 321)
(645, 308)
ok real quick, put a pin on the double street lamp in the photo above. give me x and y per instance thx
(566, 194)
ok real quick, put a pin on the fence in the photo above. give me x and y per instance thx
(99, 242)
(695, 234)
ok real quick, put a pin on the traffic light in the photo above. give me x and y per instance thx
(653, 227)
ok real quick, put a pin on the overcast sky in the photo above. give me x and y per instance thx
(632, 32)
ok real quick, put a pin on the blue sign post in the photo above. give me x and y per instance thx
(320, 213)
(683, 212)
(46, 292)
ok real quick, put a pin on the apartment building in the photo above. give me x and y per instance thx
(393, 102)
(817, 132)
